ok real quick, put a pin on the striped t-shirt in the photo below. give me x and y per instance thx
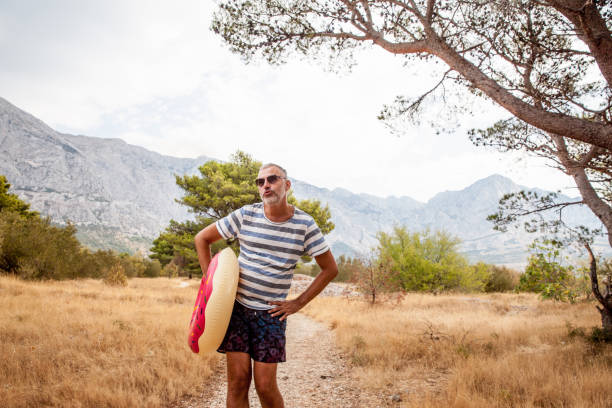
(269, 251)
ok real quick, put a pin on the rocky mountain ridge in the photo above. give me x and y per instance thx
(121, 196)
(118, 195)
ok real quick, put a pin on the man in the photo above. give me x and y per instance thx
(272, 236)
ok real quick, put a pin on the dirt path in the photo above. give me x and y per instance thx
(315, 374)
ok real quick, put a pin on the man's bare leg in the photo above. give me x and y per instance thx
(238, 379)
(266, 386)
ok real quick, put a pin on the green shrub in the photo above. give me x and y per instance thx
(348, 268)
(426, 261)
(32, 248)
(133, 265)
(499, 278)
(152, 268)
(547, 275)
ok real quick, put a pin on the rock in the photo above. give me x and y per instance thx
(396, 398)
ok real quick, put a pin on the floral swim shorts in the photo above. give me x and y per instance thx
(256, 333)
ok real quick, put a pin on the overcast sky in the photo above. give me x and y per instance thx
(152, 74)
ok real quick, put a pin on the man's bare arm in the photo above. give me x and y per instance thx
(329, 270)
(203, 240)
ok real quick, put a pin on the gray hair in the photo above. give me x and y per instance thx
(265, 166)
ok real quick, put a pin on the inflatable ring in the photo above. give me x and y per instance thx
(214, 304)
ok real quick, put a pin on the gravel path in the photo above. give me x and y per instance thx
(315, 374)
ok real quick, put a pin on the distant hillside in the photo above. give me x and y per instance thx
(462, 213)
(121, 196)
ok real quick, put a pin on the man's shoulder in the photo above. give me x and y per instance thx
(303, 216)
(255, 207)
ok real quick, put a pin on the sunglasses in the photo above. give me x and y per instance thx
(271, 179)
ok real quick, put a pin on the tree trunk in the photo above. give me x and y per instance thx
(591, 29)
(606, 301)
(606, 320)
(599, 207)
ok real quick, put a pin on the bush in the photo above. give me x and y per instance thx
(348, 268)
(152, 268)
(133, 265)
(426, 261)
(499, 278)
(171, 270)
(116, 276)
(545, 274)
(32, 248)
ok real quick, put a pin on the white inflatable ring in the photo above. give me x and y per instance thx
(214, 304)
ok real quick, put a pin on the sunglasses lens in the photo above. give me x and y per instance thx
(271, 179)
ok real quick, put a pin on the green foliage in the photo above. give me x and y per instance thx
(322, 215)
(349, 268)
(176, 244)
(426, 261)
(153, 269)
(310, 269)
(220, 189)
(11, 202)
(32, 247)
(547, 275)
(498, 278)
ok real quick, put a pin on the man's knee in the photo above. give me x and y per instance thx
(238, 372)
(266, 384)
(239, 383)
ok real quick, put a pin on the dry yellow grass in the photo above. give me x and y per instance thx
(472, 351)
(82, 343)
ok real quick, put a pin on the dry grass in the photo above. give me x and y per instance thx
(472, 351)
(82, 343)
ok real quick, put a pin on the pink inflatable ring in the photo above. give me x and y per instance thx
(214, 304)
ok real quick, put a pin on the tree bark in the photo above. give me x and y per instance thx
(591, 29)
(599, 207)
(606, 302)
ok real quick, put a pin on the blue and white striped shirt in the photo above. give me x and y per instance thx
(269, 251)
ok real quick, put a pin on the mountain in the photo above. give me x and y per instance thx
(462, 213)
(118, 195)
(121, 196)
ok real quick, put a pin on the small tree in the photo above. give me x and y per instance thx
(372, 278)
(546, 274)
(11, 202)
